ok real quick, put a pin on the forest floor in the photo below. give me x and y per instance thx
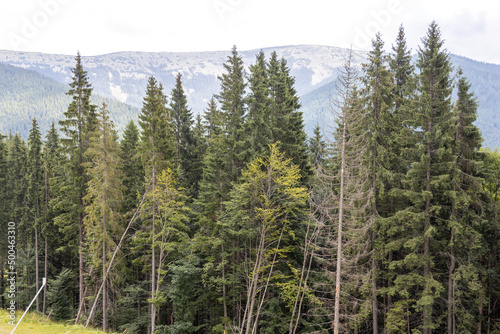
(38, 324)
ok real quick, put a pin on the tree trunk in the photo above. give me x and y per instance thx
(451, 299)
(104, 290)
(46, 259)
(374, 265)
(427, 310)
(153, 258)
(336, 322)
(37, 279)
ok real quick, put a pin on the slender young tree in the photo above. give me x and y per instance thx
(104, 196)
(377, 98)
(158, 152)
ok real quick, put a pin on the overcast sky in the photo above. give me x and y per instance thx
(470, 28)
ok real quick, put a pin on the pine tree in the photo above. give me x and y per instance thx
(401, 140)
(377, 96)
(233, 108)
(51, 157)
(317, 148)
(104, 197)
(158, 153)
(35, 190)
(258, 122)
(429, 177)
(79, 123)
(286, 117)
(213, 119)
(185, 142)
(17, 185)
(132, 167)
(466, 218)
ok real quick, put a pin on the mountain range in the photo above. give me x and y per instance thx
(33, 84)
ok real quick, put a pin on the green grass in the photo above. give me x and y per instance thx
(38, 324)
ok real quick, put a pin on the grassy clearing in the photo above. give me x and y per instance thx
(37, 324)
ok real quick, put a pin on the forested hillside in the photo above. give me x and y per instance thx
(123, 76)
(234, 221)
(26, 94)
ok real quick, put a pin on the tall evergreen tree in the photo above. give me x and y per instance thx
(466, 218)
(104, 197)
(132, 167)
(286, 117)
(377, 96)
(158, 153)
(429, 177)
(233, 108)
(185, 141)
(79, 123)
(51, 158)
(17, 186)
(35, 191)
(258, 122)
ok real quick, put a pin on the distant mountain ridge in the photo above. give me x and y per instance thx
(122, 76)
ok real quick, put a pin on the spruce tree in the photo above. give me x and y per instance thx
(377, 96)
(184, 138)
(212, 119)
(104, 198)
(79, 123)
(258, 122)
(17, 186)
(51, 158)
(286, 117)
(317, 148)
(158, 153)
(466, 218)
(233, 108)
(430, 175)
(132, 167)
(35, 190)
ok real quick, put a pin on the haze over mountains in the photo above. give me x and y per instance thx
(34, 85)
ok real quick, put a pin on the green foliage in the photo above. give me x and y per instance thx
(59, 295)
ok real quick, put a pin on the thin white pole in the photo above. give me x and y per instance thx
(44, 280)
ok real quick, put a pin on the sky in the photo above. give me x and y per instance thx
(93, 27)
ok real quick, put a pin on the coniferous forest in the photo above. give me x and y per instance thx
(233, 221)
